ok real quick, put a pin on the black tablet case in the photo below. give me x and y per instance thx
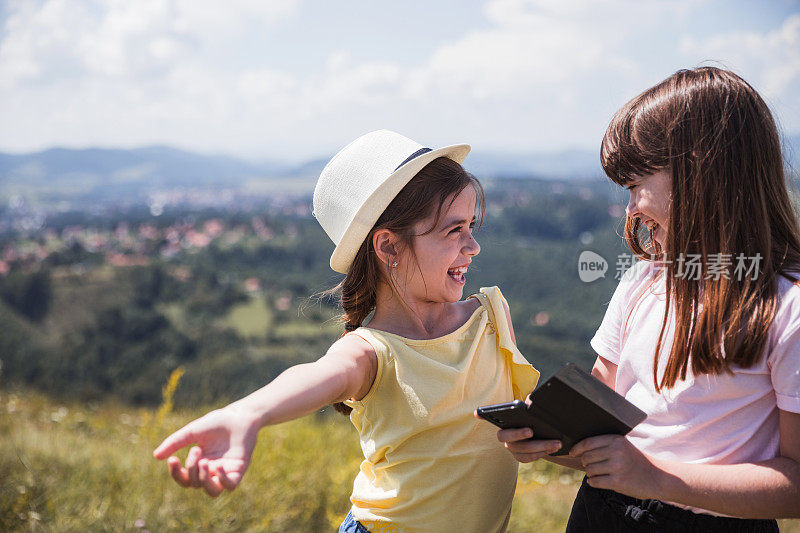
(573, 405)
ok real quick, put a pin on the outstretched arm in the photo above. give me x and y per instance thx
(226, 437)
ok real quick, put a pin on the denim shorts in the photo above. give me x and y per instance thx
(600, 510)
(351, 525)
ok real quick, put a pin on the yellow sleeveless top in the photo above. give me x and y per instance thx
(429, 464)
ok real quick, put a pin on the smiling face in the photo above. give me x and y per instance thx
(435, 270)
(650, 198)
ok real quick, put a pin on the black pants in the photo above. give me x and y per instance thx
(599, 510)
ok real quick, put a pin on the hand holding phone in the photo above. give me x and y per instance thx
(569, 407)
(516, 414)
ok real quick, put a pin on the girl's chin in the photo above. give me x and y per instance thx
(455, 291)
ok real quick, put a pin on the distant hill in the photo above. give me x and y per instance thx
(155, 166)
(567, 164)
(61, 173)
(108, 173)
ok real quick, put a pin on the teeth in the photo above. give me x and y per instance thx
(458, 271)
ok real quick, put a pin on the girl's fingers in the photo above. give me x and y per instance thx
(528, 457)
(599, 482)
(231, 482)
(180, 475)
(514, 435)
(520, 441)
(533, 446)
(593, 456)
(180, 439)
(214, 488)
(600, 468)
(592, 443)
(202, 471)
(210, 483)
(191, 466)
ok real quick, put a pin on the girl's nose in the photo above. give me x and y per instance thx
(630, 209)
(471, 247)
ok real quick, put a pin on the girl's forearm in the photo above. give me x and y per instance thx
(296, 392)
(767, 489)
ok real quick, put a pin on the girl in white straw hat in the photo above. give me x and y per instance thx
(402, 219)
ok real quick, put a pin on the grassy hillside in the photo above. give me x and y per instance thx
(79, 467)
(72, 467)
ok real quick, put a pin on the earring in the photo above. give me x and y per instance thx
(394, 265)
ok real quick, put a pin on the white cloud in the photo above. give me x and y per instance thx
(59, 39)
(64, 39)
(121, 72)
(542, 74)
(770, 60)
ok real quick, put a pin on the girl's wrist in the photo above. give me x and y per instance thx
(248, 413)
(665, 484)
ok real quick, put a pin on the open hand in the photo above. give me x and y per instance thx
(224, 440)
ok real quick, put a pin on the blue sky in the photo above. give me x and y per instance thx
(292, 79)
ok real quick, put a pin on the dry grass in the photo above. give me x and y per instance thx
(69, 467)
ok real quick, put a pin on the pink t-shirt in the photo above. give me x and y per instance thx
(716, 419)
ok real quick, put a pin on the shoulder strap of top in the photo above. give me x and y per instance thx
(494, 301)
(382, 353)
(378, 342)
(484, 300)
(523, 376)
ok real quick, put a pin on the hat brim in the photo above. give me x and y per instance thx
(366, 217)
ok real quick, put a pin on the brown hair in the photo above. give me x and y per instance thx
(424, 195)
(716, 137)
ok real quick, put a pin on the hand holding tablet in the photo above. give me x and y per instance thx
(570, 406)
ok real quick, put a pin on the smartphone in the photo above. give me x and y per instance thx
(507, 415)
(570, 406)
(517, 414)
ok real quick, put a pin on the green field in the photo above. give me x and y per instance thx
(85, 348)
(250, 319)
(77, 467)
(69, 467)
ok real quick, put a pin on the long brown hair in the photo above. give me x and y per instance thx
(423, 196)
(715, 135)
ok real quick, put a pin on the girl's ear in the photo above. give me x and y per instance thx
(385, 244)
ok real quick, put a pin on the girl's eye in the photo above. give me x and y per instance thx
(458, 229)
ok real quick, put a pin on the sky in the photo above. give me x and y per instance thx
(295, 79)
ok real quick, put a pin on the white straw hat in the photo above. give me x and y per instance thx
(360, 182)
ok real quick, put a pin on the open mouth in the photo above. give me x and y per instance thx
(457, 274)
(652, 225)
